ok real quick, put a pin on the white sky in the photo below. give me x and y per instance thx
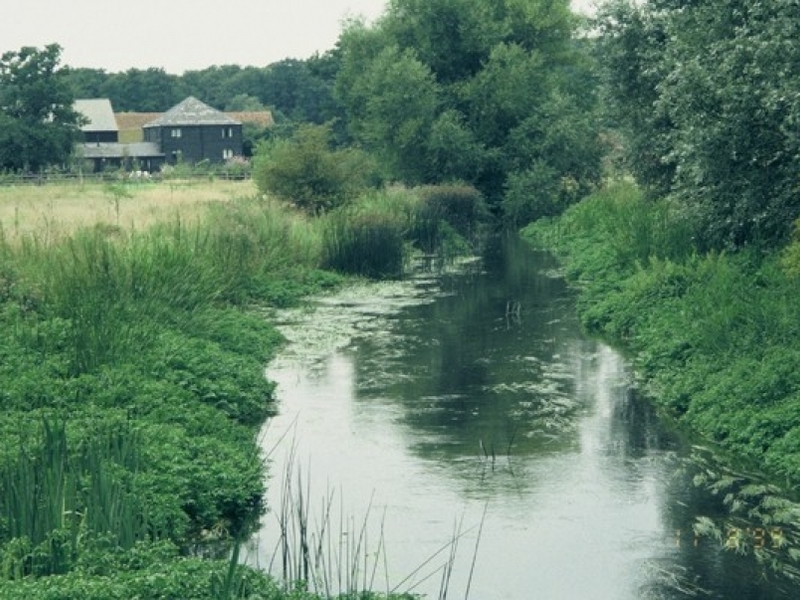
(179, 35)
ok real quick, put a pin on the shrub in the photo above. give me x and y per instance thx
(306, 172)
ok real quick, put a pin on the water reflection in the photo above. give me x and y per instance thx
(427, 403)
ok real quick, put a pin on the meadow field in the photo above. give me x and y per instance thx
(54, 211)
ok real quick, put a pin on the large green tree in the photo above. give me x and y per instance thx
(144, 90)
(477, 91)
(38, 125)
(709, 95)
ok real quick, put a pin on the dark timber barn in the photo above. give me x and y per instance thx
(193, 132)
(101, 147)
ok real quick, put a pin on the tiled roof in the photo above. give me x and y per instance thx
(99, 113)
(192, 112)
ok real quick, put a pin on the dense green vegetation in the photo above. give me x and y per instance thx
(38, 126)
(130, 376)
(706, 94)
(713, 337)
(131, 380)
(496, 94)
(694, 270)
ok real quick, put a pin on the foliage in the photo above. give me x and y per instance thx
(707, 95)
(364, 242)
(394, 123)
(299, 89)
(143, 90)
(131, 381)
(305, 171)
(714, 337)
(132, 385)
(456, 90)
(38, 126)
(461, 207)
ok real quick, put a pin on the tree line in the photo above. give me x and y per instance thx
(528, 102)
(299, 90)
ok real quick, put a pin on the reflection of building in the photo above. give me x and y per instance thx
(101, 146)
(190, 132)
(193, 132)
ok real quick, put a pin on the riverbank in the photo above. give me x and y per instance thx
(132, 386)
(712, 337)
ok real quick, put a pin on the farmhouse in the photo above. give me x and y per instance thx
(101, 146)
(189, 132)
(193, 132)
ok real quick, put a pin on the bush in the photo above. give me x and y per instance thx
(306, 172)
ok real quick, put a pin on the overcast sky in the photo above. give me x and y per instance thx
(179, 35)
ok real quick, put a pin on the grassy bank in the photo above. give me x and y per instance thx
(713, 337)
(131, 376)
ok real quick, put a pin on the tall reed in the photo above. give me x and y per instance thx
(620, 222)
(59, 495)
(364, 243)
(337, 555)
(113, 290)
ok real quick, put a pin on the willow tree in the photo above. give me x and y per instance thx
(708, 93)
(472, 90)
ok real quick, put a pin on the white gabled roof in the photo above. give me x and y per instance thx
(99, 113)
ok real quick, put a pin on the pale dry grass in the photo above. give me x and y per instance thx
(53, 211)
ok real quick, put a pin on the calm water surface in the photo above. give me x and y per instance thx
(464, 418)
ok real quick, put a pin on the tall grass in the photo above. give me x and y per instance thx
(370, 245)
(59, 495)
(114, 290)
(340, 556)
(56, 211)
(618, 226)
(377, 235)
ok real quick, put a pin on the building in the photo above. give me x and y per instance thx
(194, 132)
(101, 148)
(190, 132)
(101, 126)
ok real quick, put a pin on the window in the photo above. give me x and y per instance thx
(227, 153)
(227, 132)
(175, 132)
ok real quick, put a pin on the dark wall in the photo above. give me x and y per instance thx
(197, 143)
(94, 137)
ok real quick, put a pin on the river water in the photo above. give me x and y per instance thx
(458, 432)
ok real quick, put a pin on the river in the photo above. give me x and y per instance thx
(457, 433)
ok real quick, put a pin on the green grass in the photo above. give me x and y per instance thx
(132, 388)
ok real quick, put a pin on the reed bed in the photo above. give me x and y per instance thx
(59, 495)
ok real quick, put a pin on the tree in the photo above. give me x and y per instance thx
(38, 125)
(85, 82)
(144, 90)
(709, 95)
(305, 171)
(443, 90)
